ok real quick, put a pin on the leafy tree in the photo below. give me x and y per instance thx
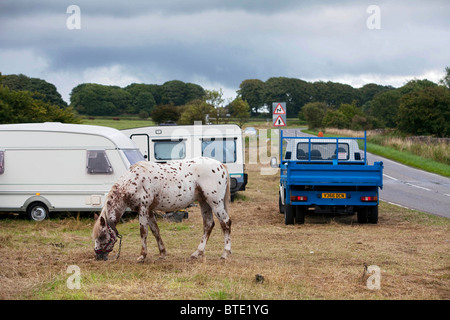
(22, 107)
(214, 97)
(178, 93)
(414, 85)
(445, 81)
(370, 90)
(165, 113)
(334, 94)
(425, 112)
(141, 99)
(336, 119)
(196, 110)
(240, 110)
(193, 92)
(314, 113)
(278, 89)
(252, 91)
(100, 100)
(40, 89)
(174, 92)
(384, 107)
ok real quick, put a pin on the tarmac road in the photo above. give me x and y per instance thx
(412, 188)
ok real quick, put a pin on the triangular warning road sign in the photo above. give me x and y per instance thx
(279, 109)
(279, 122)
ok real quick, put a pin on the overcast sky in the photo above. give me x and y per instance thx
(218, 44)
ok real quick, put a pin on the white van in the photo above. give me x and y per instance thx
(221, 142)
(60, 167)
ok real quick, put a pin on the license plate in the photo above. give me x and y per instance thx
(334, 195)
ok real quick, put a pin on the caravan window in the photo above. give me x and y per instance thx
(2, 162)
(223, 150)
(133, 156)
(169, 150)
(98, 162)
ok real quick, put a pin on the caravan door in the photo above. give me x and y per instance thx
(143, 142)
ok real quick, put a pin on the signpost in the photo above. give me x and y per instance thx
(279, 114)
(279, 117)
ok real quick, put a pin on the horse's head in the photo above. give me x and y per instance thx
(105, 236)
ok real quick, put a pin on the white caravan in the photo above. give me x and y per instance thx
(221, 142)
(60, 167)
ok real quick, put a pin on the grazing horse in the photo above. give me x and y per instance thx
(167, 187)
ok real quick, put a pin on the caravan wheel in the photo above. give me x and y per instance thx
(37, 211)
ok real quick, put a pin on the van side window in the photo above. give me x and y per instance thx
(223, 150)
(98, 162)
(169, 150)
(2, 162)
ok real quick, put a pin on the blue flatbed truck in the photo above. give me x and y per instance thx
(327, 175)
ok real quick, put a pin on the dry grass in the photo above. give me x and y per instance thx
(323, 259)
(437, 149)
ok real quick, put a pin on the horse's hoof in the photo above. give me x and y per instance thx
(225, 255)
(141, 259)
(162, 257)
(196, 255)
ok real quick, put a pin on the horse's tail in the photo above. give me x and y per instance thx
(227, 192)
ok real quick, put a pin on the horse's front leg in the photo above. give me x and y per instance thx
(143, 224)
(155, 231)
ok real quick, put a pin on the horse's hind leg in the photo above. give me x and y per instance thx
(208, 225)
(225, 223)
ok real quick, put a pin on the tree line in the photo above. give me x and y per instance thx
(418, 107)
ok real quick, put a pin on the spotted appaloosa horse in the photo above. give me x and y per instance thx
(167, 187)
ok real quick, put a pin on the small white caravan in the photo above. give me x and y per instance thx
(60, 167)
(221, 142)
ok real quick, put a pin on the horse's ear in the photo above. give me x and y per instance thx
(95, 217)
(102, 221)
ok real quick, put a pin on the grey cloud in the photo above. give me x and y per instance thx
(229, 41)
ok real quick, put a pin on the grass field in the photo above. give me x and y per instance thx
(323, 259)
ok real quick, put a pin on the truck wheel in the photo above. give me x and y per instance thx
(373, 215)
(280, 205)
(363, 214)
(300, 214)
(37, 211)
(289, 214)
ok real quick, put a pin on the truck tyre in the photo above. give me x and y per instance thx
(373, 214)
(289, 214)
(300, 214)
(37, 211)
(363, 214)
(280, 205)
